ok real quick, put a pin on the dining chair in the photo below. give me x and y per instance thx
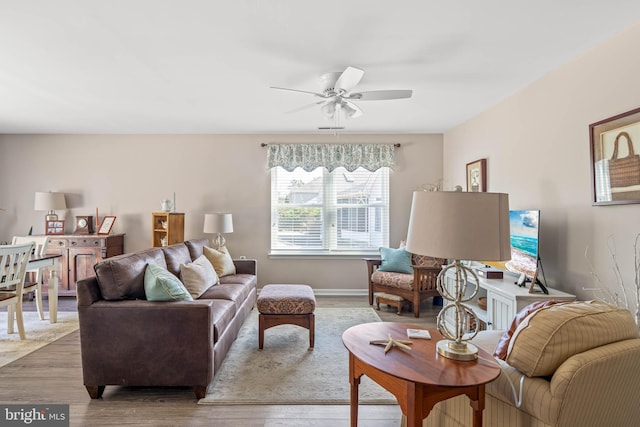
(13, 269)
(31, 285)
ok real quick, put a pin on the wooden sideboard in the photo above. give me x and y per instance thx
(80, 252)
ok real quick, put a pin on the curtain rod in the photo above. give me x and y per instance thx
(264, 144)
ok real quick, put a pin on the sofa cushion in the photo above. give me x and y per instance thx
(549, 336)
(198, 276)
(196, 246)
(236, 293)
(223, 313)
(175, 255)
(161, 285)
(122, 277)
(221, 260)
(395, 260)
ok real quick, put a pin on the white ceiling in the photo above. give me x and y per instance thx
(205, 66)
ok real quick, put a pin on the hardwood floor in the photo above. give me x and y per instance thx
(55, 376)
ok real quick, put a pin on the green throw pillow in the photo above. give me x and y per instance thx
(161, 285)
(396, 260)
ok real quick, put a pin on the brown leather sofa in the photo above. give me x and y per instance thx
(129, 341)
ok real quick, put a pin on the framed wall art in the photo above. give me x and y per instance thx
(615, 159)
(107, 223)
(477, 176)
(54, 227)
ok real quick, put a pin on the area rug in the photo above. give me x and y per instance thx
(39, 333)
(286, 372)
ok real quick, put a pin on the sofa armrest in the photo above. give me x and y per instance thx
(88, 291)
(246, 266)
(135, 342)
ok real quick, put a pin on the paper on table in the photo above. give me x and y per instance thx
(419, 333)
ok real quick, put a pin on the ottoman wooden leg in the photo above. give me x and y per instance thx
(312, 329)
(260, 331)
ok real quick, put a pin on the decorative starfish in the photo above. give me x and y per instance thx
(390, 343)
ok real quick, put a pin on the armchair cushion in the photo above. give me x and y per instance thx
(161, 285)
(393, 279)
(395, 260)
(549, 336)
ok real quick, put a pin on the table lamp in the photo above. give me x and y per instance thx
(459, 226)
(218, 223)
(49, 201)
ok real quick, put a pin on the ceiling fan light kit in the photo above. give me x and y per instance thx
(337, 94)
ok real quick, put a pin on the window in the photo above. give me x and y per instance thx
(322, 212)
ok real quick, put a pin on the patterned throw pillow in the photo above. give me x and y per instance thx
(198, 276)
(221, 260)
(395, 260)
(161, 285)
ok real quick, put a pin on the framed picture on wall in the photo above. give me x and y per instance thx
(615, 159)
(477, 176)
(54, 227)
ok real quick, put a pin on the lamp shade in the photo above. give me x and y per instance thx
(48, 201)
(460, 226)
(218, 223)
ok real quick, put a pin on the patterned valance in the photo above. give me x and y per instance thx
(331, 156)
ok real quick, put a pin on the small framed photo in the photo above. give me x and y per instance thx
(107, 223)
(477, 176)
(54, 227)
(615, 159)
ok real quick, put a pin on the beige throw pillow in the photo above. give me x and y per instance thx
(221, 260)
(198, 276)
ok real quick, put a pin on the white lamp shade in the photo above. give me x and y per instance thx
(218, 223)
(48, 201)
(460, 226)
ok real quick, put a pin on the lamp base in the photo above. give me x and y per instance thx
(51, 216)
(219, 241)
(452, 350)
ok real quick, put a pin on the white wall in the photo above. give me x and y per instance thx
(537, 147)
(128, 175)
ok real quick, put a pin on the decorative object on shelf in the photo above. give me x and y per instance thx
(50, 202)
(166, 205)
(218, 223)
(459, 226)
(107, 223)
(477, 176)
(615, 163)
(390, 343)
(84, 224)
(54, 227)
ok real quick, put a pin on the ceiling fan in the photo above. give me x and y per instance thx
(337, 94)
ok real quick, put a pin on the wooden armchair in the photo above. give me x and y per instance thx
(414, 287)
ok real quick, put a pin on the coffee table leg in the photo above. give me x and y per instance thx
(477, 403)
(355, 382)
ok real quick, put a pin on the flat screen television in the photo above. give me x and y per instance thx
(525, 232)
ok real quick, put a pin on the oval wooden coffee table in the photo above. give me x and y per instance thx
(418, 378)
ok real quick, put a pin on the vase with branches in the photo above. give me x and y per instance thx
(618, 296)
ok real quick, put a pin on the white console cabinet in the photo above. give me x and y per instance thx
(504, 299)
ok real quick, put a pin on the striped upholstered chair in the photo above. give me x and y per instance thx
(566, 365)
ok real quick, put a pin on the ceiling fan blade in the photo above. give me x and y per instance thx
(352, 110)
(298, 90)
(349, 78)
(304, 107)
(381, 95)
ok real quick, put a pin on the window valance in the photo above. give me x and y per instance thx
(331, 156)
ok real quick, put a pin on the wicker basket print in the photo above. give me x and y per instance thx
(624, 171)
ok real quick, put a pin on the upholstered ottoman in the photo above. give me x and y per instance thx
(286, 304)
(392, 300)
